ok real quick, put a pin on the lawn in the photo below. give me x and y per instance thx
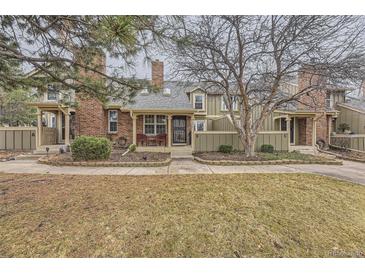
(237, 215)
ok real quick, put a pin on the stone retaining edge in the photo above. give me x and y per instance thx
(271, 162)
(45, 160)
(339, 156)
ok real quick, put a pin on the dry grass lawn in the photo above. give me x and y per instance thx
(238, 215)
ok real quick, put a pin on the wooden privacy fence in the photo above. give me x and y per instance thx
(49, 136)
(18, 138)
(355, 141)
(211, 140)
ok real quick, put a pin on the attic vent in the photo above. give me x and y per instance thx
(144, 91)
(166, 92)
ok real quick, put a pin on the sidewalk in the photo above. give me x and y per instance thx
(351, 171)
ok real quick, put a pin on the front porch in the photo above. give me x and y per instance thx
(305, 129)
(54, 125)
(163, 132)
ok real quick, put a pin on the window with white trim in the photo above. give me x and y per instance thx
(154, 124)
(51, 93)
(113, 121)
(199, 125)
(199, 101)
(329, 100)
(234, 103)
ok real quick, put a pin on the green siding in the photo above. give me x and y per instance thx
(354, 119)
(210, 141)
(224, 123)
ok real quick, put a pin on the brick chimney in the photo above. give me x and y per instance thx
(157, 74)
(316, 98)
(91, 118)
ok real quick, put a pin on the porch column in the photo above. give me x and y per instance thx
(39, 128)
(192, 119)
(329, 122)
(134, 119)
(169, 125)
(59, 126)
(314, 131)
(67, 127)
(288, 130)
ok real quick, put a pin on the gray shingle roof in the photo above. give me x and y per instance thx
(178, 99)
(356, 103)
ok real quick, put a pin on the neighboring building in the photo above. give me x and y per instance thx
(188, 114)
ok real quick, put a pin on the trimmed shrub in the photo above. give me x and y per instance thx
(267, 148)
(225, 148)
(90, 148)
(132, 147)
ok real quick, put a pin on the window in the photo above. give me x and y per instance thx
(113, 121)
(51, 93)
(329, 100)
(199, 101)
(154, 124)
(53, 121)
(283, 124)
(199, 125)
(234, 103)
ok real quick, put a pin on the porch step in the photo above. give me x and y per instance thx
(53, 149)
(185, 152)
(304, 149)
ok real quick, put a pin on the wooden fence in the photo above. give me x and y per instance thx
(211, 140)
(49, 136)
(18, 138)
(355, 141)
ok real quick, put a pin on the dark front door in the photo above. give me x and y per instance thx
(292, 128)
(179, 129)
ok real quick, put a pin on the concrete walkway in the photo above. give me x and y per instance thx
(350, 171)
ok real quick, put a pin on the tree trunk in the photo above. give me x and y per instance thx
(248, 141)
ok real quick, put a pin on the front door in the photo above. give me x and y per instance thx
(179, 129)
(292, 130)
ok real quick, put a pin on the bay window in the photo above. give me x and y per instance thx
(154, 124)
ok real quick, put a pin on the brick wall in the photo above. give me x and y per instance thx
(315, 100)
(322, 128)
(125, 128)
(90, 117)
(302, 131)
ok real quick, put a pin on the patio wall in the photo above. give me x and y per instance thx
(356, 141)
(18, 138)
(206, 141)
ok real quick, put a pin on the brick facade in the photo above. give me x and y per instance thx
(315, 100)
(90, 117)
(125, 128)
(302, 131)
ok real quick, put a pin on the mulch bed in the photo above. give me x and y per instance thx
(234, 156)
(347, 154)
(131, 159)
(139, 157)
(8, 155)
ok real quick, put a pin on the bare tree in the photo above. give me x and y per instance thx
(64, 47)
(254, 56)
